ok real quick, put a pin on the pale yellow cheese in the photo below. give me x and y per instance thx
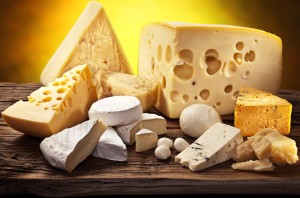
(244, 152)
(62, 104)
(91, 40)
(256, 109)
(264, 165)
(208, 64)
(145, 140)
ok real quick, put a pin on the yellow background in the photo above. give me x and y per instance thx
(31, 30)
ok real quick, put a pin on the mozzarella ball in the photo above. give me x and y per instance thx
(180, 144)
(167, 142)
(162, 152)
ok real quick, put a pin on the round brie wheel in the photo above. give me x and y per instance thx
(116, 110)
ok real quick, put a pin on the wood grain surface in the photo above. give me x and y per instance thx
(23, 168)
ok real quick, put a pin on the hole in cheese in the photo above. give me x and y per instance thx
(152, 65)
(185, 98)
(235, 95)
(218, 104)
(174, 96)
(213, 65)
(55, 83)
(186, 55)
(168, 54)
(238, 57)
(228, 89)
(46, 108)
(75, 78)
(70, 101)
(163, 82)
(230, 69)
(184, 71)
(204, 94)
(255, 41)
(159, 53)
(77, 71)
(250, 56)
(239, 46)
(58, 98)
(64, 103)
(212, 53)
(62, 90)
(47, 99)
(246, 74)
(47, 92)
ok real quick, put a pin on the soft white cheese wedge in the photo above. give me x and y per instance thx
(216, 145)
(117, 110)
(66, 149)
(110, 146)
(155, 123)
(127, 132)
(145, 140)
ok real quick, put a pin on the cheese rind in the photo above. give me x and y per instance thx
(117, 110)
(145, 140)
(91, 40)
(127, 132)
(155, 123)
(110, 146)
(65, 150)
(256, 109)
(198, 63)
(62, 104)
(215, 146)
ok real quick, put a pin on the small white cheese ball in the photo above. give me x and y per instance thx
(167, 142)
(197, 118)
(180, 144)
(162, 152)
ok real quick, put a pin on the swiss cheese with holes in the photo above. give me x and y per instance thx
(62, 104)
(208, 64)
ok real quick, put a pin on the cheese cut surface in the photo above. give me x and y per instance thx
(215, 146)
(62, 104)
(127, 132)
(117, 110)
(120, 84)
(257, 110)
(155, 123)
(145, 140)
(244, 152)
(264, 165)
(110, 146)
(91, 40)
(65, 150)
(207, 63)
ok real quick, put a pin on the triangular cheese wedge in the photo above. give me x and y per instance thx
(92, 40)
(257, 110)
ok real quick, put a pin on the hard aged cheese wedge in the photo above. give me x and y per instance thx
(207, 63)
(120, 84)
(127, 132)
(62, 104)
(117, 110)
(145, 140)
(65, 150)
(91, 40)
(110, 146)
(257, 109)
(263, 165)
(155, 123)
(216, 145)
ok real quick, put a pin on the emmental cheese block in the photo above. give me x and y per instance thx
(198, 63)
(215, 146)
(91, 40)
(110, 146)
(65, 150)
(62, 104)
(257, 110)
(121, 84)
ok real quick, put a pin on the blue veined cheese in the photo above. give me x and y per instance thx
(110, 146)
(215, 146)
(66, 149)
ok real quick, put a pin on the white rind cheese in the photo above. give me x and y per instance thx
(207, 63)
(66, 149)
(110, 146)
(117, 110)
(155, 123)
(127, 132)
(145, 140)
(216, 145)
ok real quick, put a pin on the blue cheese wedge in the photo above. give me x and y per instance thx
(66, 149)
(215, 146)
(110, 146)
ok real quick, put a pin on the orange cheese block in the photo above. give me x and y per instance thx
(257, 110)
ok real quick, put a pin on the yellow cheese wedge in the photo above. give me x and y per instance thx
(91, 40)
(62, 104)
(257, 110)
(198, 63)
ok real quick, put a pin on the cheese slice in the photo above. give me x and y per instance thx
(257, 110)
(65, 150)
(110, 146)
(120, 84)
(200, 63)
(127, 132)
(263, 165)
(145, 140)
(155, 123)
(244, 152)
(215, 146)
(117, 110)
(91, 40)
(62, 104)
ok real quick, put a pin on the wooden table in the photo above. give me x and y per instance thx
(23, 168)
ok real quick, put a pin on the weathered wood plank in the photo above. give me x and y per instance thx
(23, 169)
